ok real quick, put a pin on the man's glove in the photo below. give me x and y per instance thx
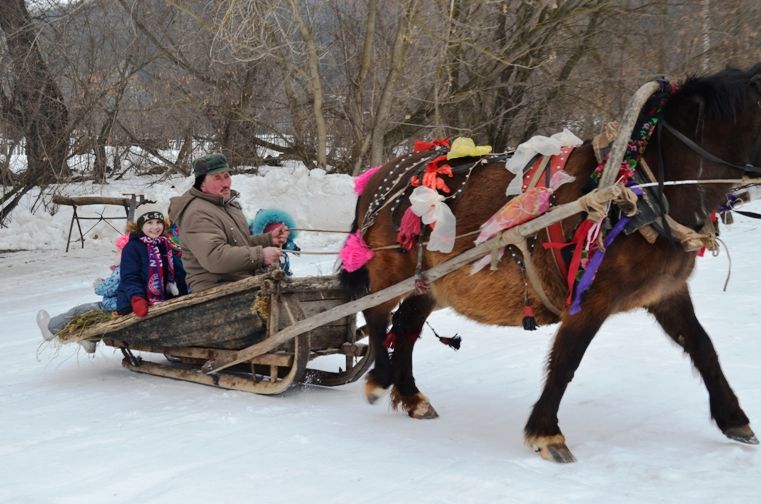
(139, 306)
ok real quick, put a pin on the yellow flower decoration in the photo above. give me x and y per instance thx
(465, 147)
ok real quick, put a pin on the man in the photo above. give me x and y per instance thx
(217, 245)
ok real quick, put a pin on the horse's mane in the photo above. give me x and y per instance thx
(721, 95)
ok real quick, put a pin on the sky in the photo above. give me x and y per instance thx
(81, 428)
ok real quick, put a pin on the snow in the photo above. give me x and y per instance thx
(82, 429)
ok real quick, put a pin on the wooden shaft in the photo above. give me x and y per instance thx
(610, 171)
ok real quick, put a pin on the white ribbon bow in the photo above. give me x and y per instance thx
(430, 207)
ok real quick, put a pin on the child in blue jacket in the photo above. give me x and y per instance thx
(151, 269)
(50, 326)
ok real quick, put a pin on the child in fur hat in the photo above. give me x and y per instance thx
(267, 220)
(151, 269)
(50, 326)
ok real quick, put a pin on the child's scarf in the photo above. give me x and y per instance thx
(155, 289)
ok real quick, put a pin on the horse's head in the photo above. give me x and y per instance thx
(722, 114)
(710, 129)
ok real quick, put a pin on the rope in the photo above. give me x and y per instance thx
(729, 266)
(596, 204)
(707, 181)
(375, 249)
(305, 230)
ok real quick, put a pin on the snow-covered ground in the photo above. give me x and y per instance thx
(81, 429)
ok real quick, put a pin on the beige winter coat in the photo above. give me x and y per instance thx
(217, 245)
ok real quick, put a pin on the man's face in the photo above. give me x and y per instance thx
(218, 184)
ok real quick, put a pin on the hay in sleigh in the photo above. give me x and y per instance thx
(81, 323)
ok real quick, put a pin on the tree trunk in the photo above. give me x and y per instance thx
(38, 109)
(316, 86)
(398, 60)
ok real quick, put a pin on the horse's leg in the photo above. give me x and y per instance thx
(407, 324)
(677, 317)
(379, 378)
(542, 432)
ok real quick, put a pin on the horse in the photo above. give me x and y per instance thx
(709, 128)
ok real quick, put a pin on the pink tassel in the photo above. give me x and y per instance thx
(355, 253)
(409, 230)
(361, 181)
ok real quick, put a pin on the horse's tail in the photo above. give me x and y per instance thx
(357, 281)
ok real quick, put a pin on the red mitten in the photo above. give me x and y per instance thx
(139, 306)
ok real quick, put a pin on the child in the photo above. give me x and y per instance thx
(107, 287)
(151, 270)
(49, 327)
(267, 220)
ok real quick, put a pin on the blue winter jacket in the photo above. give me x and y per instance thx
(134, 273)
(107, 288)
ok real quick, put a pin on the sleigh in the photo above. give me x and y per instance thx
(237, 323)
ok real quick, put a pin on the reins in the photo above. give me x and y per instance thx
(697, 182)
(744, 181)
(702, 152)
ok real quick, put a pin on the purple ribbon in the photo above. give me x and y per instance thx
(594, 263)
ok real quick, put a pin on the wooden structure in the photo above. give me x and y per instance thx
(129, 202)
(215, 324)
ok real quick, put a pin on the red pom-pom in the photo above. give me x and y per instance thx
(409, 230)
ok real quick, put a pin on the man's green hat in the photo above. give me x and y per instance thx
(209, 164)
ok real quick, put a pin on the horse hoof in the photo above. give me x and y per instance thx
(424, 411)
(374, 392)
(552, 448)
(417, 406)
(556, 453)
(742, 434)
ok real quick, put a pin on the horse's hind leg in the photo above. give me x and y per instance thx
(407, 324)
(677, 317)
(542, 432)
(379, 378)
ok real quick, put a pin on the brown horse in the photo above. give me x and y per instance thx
(709, 128)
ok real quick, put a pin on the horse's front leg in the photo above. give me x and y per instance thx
(677, 317)
(407, 324)
(542, 432)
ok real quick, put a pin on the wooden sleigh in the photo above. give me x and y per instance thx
(188, 332)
